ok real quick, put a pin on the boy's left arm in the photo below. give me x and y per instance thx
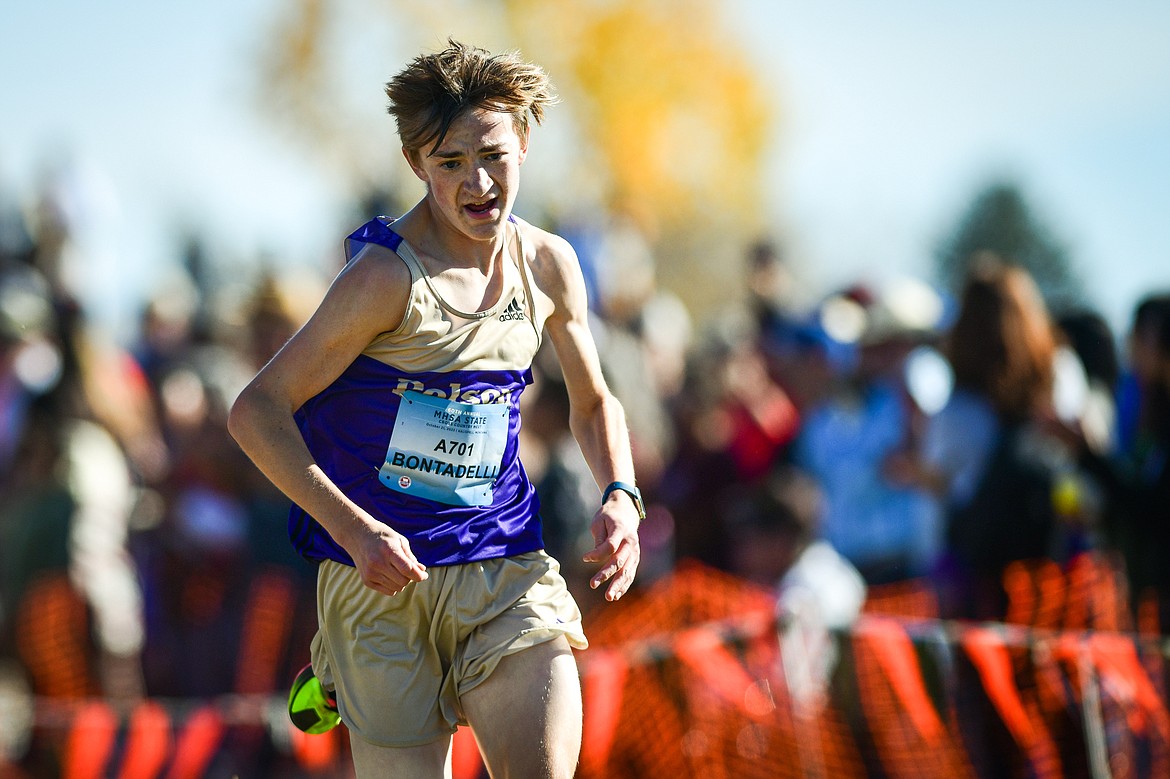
(596, 418)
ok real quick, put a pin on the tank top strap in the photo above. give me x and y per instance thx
(377, 231)
(404, 251)
(525, 272)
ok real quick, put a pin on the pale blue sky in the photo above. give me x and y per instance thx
(892, 115)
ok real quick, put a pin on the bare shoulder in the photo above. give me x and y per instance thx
(368, 297)
(377, 264)
(370, 293)
(555, 267)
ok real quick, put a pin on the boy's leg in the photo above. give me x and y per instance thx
(526, 716)
(429, 761)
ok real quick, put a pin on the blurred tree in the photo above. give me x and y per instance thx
(999, 220)
(668, 115)
(292, 84)
(680, 117)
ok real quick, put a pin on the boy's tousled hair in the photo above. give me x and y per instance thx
(434, 89)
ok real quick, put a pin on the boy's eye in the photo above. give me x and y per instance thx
(494, 156)
(449, 165)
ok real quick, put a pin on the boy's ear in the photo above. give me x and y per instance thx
(415, 163)
(524, 143)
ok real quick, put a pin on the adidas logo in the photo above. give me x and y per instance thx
(513, 312)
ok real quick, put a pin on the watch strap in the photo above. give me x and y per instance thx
(634, 493)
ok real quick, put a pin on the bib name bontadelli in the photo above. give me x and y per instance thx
(433, 465)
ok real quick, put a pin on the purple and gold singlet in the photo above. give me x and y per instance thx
(421, 429)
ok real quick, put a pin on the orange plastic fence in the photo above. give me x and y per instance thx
(695, 703)
(90, 742)
(910, 734)
(197, 743)
(696, 676)
(52, 639)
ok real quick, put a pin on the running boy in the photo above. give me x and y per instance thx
(391, 420)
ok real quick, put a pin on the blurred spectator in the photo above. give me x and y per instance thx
(642, 334)
(1137, 483)
(30, 359)
(196, 561)
(1091, 340)
(277, 309)
(774, 530)
(801, 357)
(806, 361)
(774, 543)
(735, 422)
(1133, 394)
(985, 453)
(769, 288)
(1088, 372)
(71, 401)
(889, 530)
(71, 606)
(166, 328)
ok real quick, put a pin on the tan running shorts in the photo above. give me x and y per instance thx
(399, 664)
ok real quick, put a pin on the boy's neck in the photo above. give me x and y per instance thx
(426, 231)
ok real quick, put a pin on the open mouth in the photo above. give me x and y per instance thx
(480, 209)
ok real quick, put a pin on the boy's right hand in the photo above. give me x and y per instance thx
(383, 557)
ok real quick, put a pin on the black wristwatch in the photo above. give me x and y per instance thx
(634, 493)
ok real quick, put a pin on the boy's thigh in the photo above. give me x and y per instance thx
(526, 716)
(426, 761)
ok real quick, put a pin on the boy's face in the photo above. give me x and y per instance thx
(472, 178)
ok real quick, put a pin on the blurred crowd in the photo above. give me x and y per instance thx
(882, 434)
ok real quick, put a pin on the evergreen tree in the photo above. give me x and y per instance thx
(1000, 221)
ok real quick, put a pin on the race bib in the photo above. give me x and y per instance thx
(446, 451)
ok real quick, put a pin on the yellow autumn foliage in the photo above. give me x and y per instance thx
(673, 118)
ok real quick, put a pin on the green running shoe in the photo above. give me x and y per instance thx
(310, 706)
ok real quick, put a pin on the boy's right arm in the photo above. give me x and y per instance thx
(367, 298)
